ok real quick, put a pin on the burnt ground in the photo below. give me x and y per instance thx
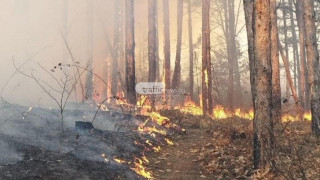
(32, 147)
(39, 163)
(36, 162)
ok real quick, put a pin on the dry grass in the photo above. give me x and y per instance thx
(228, 151)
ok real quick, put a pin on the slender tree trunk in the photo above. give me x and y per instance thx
(285, 29)
(209, 64)
(276, 88)
(305, 92)
(89, 78)
(158, 77)
(166, 25)
(229, 54)
(122, 59)
(130, 52)
(313, 64)
(177, 68)
(152, 45)
(295, 51)
(191, 79)
(288, 74)
(263, 128)
(205, 57)
(116, 50)
(233, 51)
(248, 12)
(152, 41)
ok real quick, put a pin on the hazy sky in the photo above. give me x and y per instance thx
(34, 29)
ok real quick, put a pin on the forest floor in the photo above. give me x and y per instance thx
(222, 149)
(208, 149)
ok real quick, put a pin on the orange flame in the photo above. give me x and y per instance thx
(140, 169)
(156, 149)
(169, 141)
(307, 116)
(120, 161)
(220, 112)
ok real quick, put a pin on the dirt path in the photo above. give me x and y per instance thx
(179, 161)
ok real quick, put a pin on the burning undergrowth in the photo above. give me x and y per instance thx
(224, 149)
(115, 143)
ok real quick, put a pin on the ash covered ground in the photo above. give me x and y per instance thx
(33, 145)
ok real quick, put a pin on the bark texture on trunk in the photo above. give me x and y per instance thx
(299, 14)
(152, 45)
(130, 52)
(177, 68)
(248, 12)
(263, 124)
(313, 64)
(276, 88)
(305, 91)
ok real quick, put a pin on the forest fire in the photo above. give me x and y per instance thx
(151, 130)
(120, 161)
(220, 112)
(191, 108)
(194, 89)
(169, 141)
(291, 118)
(140, 169)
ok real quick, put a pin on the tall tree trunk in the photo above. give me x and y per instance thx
(122, 59)
(191, 80)
(295, 51)
(205, 54)
(130, 52)
(116, 50)
(209, 64)
(285, 29)
(230, 56)
(248, 12)
(263, 129)
(234, 55)
(89, 78)
(305, 91)
(152, 45)
(276, 88)
(288, 73)
(313, 64)
(166, 26)
(158, 77)
(177, 68)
